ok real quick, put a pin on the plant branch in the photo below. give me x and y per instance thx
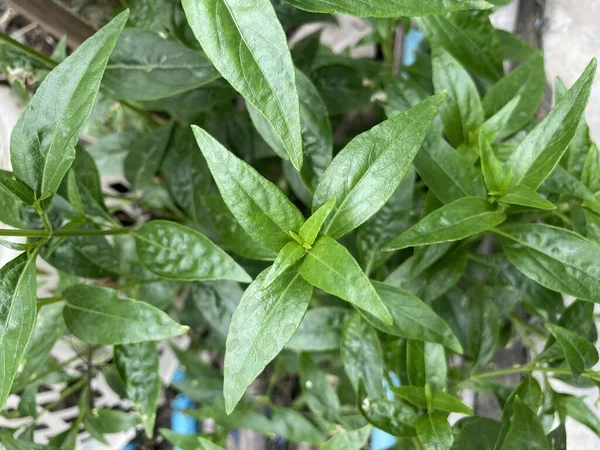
(64, 233)
(591, 374)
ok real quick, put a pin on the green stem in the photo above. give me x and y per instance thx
(64, 233)
(48, 301)
(529, 368)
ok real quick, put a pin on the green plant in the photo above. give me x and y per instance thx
(415, 246)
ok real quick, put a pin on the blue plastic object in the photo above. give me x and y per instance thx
(180, 423)
(412, 41)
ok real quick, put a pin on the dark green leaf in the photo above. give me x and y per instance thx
(434, 432)
(318, 391)
(108, 421)
(388, 8)
(478, 433)
(394, 417)
(330, 267)
(579, 352)
(361, 355)
(555, 258)
(341, 88)
(537, 155)
(216, 301)
(18, 294)
(457, 220)
(577, 409)
(439, 400)
(264, 321)
(189, 442)
(528, 81)
(261, 208)
(413, 319)
(426, 364)
(144, 66)
(44, 138)
(525, 430)
(461, 111)
(482, 333)
(254, 59)
(177, 252)
(320, 330)
(367, 172)
(348, 440)
(98, 316)
(16, 187)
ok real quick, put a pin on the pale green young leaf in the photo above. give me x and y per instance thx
(447, 173)
(145, 66)
(367, 172)
(320, 329)
(413, 319)
(537, 155)
(434, 432)
(389, 8)
(288, 256)
(457, 220)
(18, 294)
(98, 316)
(580, 353)
(348, 440)
(330, 267)
(496, 178)
(496, 124)
(361, 355)
(311, 228)
(137, 365)
(556, 258)
(44, 138)
(188, 441)
(461, 111)
(177, 252)
(439, 399)
(247, 45)
(527, 82)
(525, 196)
(259, 206)
(264, 321)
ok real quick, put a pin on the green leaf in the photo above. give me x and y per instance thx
(188, 441)
(264, 321)
(18, 294)
(577, 409)
(525, 430)
(434, 432)
(426, 364)
(248, 47)
(478, 433)
(524, 196)
(496, 124)
(591, 169)
(146, 156)
(216, 301)
(319, 393)
(461, 111)
(310, 229)
(394, 417)
(447, 173)
(538, 154)
(361, 355)
(98, 316)
(320, 330)
(528, 82)
(187, 174)
(144, 66)
(259, 206)
(579, 352)
(49, 327)
(557, 438)
(330, 267)
(558, 259)
(137, 365)
(176, 252)
(413, 319)
(341, 87)
(288, 256)
(109, 421)
(482, 332)
(44, 138)
(367, 172)
(470, 38)
(233, 236)
(439, 400)
(294, 426)
(348, 440)
(16, 187)
(388, 8)
(457, 220)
